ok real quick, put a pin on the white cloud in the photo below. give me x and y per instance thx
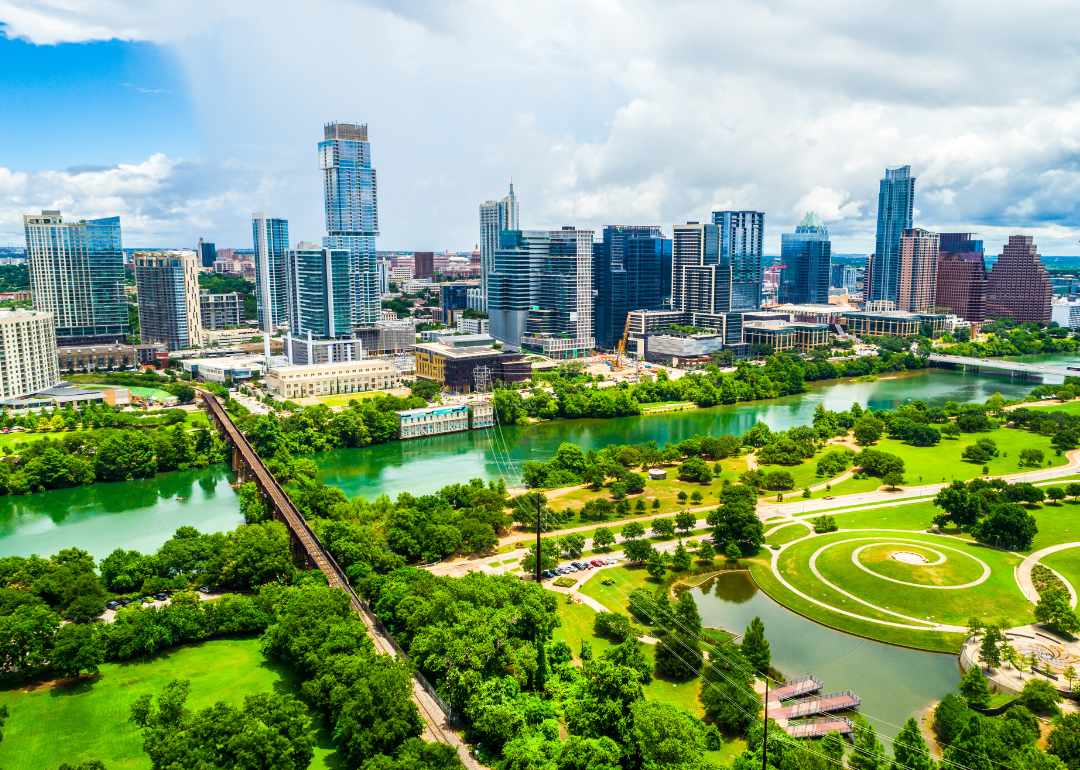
(618, 111)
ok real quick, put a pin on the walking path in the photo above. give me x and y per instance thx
(1023, 572)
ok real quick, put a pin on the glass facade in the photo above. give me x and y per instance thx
(896, 205)
(271, 244)
(805, 260)
(495, 217)
(319, 292)
(352, 211)
(629, 272)
(695, 246)
(741, 235)
(77, 274)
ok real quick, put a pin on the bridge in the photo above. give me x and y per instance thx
(1014, 368)
(817, 728)
(794, 688)
(308, 550)
(823, 704)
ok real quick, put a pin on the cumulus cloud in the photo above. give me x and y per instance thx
(619, 111)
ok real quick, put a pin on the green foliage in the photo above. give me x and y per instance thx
(824, 523)
(755, 647)
(1040, 696)
(1064, 740)
(614, 625)
(974, 688)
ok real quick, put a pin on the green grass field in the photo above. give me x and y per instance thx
(1072, 407)
(48, 727)
(343, 399)
(788, 533)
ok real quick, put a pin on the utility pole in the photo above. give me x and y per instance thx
(537, 535)
(765, 738)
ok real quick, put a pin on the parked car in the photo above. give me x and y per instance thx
(596, 563)
(204, 589)
(125, 602)
(161, 596)
(112, 605)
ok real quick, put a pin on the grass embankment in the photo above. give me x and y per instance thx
(72, 723)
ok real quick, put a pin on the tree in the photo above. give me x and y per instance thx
(681, 558)
(549, 556)
(1040, 696)
(677, 655)
(959, 505)
(664, 527)
(1072, 489)
(603, 537)
(706, 552)
(755, 647)
(731, 551)
(685, 521)
(727, 694)
(696, 469)
(615, 625)
(255, 554)
(638, 550)
(655, 564)
(974, 688)
(26, 636)
(893, 479)
(878, 463)
(77, 648)
(909, 748)
(252, 505)
(868, 753)
(634, 483)
(867, 433)
(572, 544)
(950, 430)
(666, 736)
(1064, 740)
(988, 650)
(1031, 456)
(1054, 609)
(633, 530)
(1007, 526)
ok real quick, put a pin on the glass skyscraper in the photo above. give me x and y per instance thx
(271, 242)
(805, 258)
(352, 211)
(495, 217)
(320, 302)
(741, 235)
(628, 269)
(77, 274)
(896, 204)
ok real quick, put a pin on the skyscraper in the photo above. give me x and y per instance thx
(805, 259)
(628, 271)
(741, 234)
(917, 282)
(495, 216)
(1019, 286)
(271, 292)
(896, 204)
(423, 264)
(77, 274)
(961, 276)
(541, 291)
(352, 211)
(170, 311)
(207, 253)
(700, 281)
(320, 302)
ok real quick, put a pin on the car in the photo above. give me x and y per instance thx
(112, 605)
(204, 589)
(125, 602)
(137, 601)
(596, 563)
(161, 596)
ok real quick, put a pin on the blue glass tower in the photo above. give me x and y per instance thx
(629, 273)
(896, 204)
(805, 259)
(352, 212)
(741, 235)
(271, 237)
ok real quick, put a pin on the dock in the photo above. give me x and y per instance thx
(818, 728)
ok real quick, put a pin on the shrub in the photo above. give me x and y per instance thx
(778, 480)
(614, 625)
(824, 524)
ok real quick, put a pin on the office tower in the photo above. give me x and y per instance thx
(320, 301)
(844, 277)
(540, 291)
(805, 258)
(207, 253)
(700, 282)
(628, 270)
(896, 202)
(961, 276)
(170, 310)
(454, 299)
(352, 211)
(495, 217)
(1018, 285)
(77, 274)
(28, 360)
(382, 270)
(423, 265)
(741, 234)
(917, 282)
(271, 292)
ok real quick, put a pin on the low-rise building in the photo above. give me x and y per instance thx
(228, 369)
(455, 361)
(114, 356)
(472, 325)
(332, 378)
(783, 335)
(896, 323)
(433, 420)
(671, 345)
(1065, 313)
(481, 415)
(212, 338)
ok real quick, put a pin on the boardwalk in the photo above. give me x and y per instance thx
(817, 728)
(825, 704)
(307, 545)
(795, 688)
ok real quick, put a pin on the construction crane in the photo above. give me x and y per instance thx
(617, 364)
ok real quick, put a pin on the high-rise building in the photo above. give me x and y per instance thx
(540, 291)
(170, 310)
(844, 277)
(961, 276)
(423, 264)
(207, 253)
(628, 269)
(28, 359)
(221, 311)
(495, 217)
(454, 299)
(382, 270)
(77, 275)
(700, 282)
(917, 283)
(320, 301)
(271, 281)
(896, 204)
(805, 258)
(1018, 285)
(741, 237)
(352, 211)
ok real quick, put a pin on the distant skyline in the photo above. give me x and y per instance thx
(161, 115)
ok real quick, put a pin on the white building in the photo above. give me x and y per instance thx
(401, 274)
(28, 362)
(232, 368)
(1066, 313)
(472, 325)
(414, 423)
(332, 378)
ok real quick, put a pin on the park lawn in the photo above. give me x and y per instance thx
(343, 399)
(71, 724)
(577, 625)
(626, 580)
(1071, 407)
(907, 516)
(997, 597)
(1056, 523)
(1066, 563)
(788, 533)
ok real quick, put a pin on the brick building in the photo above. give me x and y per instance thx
(1019, 286)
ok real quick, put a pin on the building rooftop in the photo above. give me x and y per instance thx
(315, 368)
(450, 409)
(472, 351)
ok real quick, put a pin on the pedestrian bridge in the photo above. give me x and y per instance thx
(1014, 368)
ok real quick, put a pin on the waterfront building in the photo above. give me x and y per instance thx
(208, 253)
(28, 360)
(698, 280)
(894, 323)
(896, 205)
(1018, 286)
(632, 271)
(672, 346)
(917, 282)
(271, 291)
(453, 361)
(741, 237)
(112, 356)
(169, 298)
(805, 258)
(320, 304)
(540, 291)
(77, 276)
(961, 276)
(331, 379)
(221, 311)
(432, 420)
(1065, 313)
(495, 217)
(784, 335)
(352, 212)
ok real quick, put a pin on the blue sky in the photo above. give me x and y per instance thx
(603, 111)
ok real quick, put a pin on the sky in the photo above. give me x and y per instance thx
(185, 117)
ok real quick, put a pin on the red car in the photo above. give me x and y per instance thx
(596, 563)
